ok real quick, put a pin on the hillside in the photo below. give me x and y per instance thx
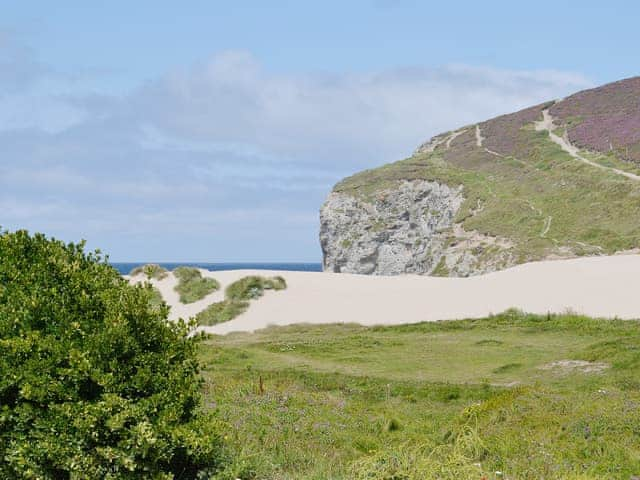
(556, 180)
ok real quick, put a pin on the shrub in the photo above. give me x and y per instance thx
(237, 298)
(192, 286)
(151, 271)
(156, 300)
(94, 383)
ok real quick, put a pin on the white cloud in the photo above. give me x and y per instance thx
(356, 119)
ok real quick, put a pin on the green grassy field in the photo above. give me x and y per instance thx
(465, 399)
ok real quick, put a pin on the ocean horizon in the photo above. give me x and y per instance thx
(125, 267)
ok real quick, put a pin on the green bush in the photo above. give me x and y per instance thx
(151, 270)
(192, 286)
(94, 383)
(156, 300)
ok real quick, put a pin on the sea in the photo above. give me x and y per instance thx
(125, 267)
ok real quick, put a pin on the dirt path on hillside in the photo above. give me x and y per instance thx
(546, 227)
(453, 136)
(547, 124)
(479, 137)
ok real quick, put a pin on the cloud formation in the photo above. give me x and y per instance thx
(225, 160)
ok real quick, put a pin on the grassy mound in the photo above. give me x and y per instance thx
(510, 396)
(237, 297)
(192, 286)
(151, 271)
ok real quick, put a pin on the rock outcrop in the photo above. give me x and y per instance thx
(536, 184)
(408, 229)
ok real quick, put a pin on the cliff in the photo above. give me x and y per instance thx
(556, 180)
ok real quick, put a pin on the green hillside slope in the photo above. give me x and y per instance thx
(523, 180)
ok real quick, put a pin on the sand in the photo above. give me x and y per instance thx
(595, 286)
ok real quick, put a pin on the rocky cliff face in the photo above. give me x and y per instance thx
(536, 184)
(407, 229)
(400, 231)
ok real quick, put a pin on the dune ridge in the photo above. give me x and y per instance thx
(597, 286)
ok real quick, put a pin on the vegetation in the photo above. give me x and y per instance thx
(511, 396)
(604, 119)
(155, 300)
(93, 382)
(237, 297)
(151, 271)
(192, 286)
(221, 312)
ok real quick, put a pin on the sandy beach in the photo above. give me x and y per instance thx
(596, 286)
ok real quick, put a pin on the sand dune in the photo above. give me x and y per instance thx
(596, 286)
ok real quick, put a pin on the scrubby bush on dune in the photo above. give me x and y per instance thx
(237, 298)
(251, 287)
(151, 271)
(221, 312)
(192, 286)
(94, 383)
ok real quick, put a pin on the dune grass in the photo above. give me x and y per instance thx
(462, 399)
(237, 297)
(221, 312)
(151, 271)
(192, 286)
(253, 286)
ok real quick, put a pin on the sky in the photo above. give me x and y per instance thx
(212, 131)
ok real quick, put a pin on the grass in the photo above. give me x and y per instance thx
(237, 297)
(463, 399)
(192, 286)
(151, 271)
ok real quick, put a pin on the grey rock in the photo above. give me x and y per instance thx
(407, 229)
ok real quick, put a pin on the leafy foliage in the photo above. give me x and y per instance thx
(192, 286)
(94, 383)
(156, 301)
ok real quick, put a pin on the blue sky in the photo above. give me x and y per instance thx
(212, 131)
